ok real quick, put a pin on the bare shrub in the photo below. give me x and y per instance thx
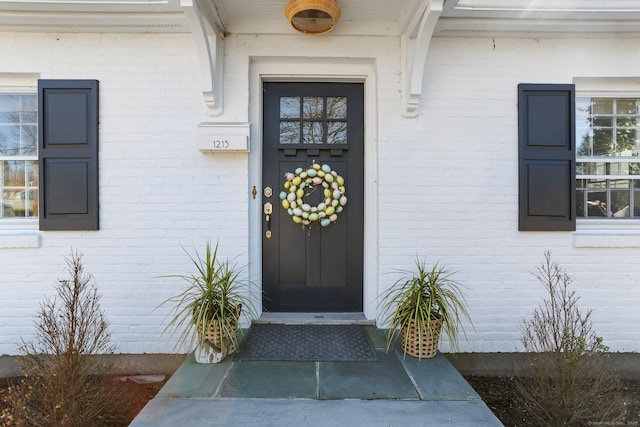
(64, 368)
(570, 384)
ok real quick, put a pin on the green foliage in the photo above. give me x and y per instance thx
(65, 368)
(420, 297)
(215, 290)
(567, 360)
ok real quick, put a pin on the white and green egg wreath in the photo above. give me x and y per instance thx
(303, 182)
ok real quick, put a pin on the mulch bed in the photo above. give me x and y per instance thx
(501, 396)
(137, 389)
(499, 393)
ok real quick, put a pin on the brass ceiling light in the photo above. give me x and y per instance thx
(312, 16)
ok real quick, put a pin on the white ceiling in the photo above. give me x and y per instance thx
(359, 17)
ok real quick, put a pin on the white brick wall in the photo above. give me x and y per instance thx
(446, 182)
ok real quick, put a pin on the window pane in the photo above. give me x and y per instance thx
(595, 206)
(602, 106)
(9, 108)
(312, 133)
(597, 183)
(31, 173)
(626, 121)
(580, 203)
(583, 139)
(620, 203)
(290, 132)
(336, 133)
(602, 142)
(9, 140)
(19, 203)
(29, 109)
(583, 108)
(13, 174)
(337, 107)
(627, 106)
(289, 107)
(604, 122)
(29, 140)
(313, 107)
(636, 204)
(626, 142)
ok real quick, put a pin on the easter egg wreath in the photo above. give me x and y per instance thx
(301, 183)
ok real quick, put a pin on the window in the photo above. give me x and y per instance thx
(18, 155)
(313, 120)
(48, 153)
(608, 165)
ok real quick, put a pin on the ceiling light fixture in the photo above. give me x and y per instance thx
(312, 16)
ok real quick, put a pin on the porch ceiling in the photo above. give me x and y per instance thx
(520, 18)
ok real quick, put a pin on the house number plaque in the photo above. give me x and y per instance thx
(222, 137)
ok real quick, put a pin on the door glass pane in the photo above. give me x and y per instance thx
(290, 132)
(337, 107)
(312, 133)
(337, 133)
(289, 107)
(313, 107)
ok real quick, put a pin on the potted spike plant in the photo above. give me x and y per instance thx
(207, 311)
(421, 304)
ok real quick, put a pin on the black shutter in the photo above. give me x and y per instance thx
(68, 154)
(546, 128)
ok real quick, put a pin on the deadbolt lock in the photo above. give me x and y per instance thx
(268, 192)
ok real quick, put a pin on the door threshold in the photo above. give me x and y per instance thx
(315, 319)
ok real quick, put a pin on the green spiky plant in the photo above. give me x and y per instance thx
(421, 298)
(214, 291)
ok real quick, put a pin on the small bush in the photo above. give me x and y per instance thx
(64, 369)
(570, 384)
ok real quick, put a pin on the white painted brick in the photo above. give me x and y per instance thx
(446, 182)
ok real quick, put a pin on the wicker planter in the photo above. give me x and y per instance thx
(215, 344)
(424, 343)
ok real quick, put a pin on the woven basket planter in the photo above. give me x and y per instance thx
(215, 335)
(422, 344)
(215, 343)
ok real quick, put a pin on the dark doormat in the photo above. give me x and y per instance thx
(318, 343)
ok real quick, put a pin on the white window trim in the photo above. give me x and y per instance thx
(607, 233)
(19, 232)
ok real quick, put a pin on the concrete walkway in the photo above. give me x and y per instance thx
(395, 391)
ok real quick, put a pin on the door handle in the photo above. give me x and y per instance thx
(268, 210)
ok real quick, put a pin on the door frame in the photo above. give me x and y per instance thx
(321, 70)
